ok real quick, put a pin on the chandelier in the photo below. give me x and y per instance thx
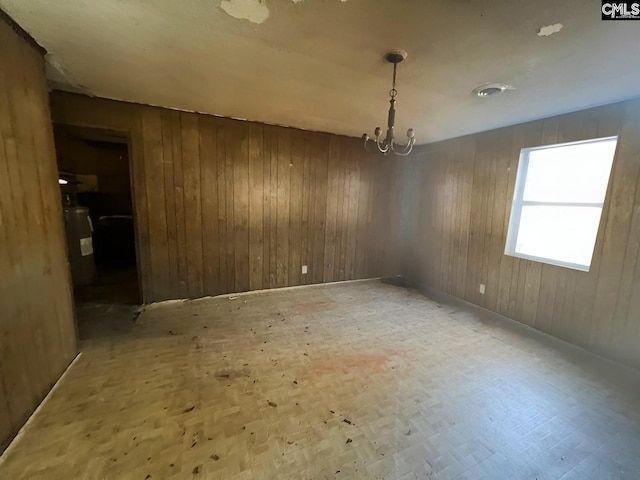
(388, 144)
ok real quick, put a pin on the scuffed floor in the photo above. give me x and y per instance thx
(355, 380)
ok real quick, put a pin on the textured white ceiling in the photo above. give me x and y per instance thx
(317, 64)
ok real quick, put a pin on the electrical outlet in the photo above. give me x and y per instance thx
(482, 288)
(304, 269)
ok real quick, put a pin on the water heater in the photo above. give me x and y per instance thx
(80, 244)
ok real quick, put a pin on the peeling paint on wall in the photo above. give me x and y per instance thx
(255, 11)
(550, 29)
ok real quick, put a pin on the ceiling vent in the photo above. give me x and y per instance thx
(490, 89)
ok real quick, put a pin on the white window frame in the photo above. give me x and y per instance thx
(519, 202)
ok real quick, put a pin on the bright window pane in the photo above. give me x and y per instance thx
(563, 234)
(557, 202)
(570, 173)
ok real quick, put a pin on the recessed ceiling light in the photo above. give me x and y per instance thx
(62, 181)
(489, 89)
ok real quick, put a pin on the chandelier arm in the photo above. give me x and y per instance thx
(409, 145)
(402, 154)
(383, 149)
(406, 148)
(405, 152)
(381, 142)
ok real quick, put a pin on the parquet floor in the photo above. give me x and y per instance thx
(347, 381)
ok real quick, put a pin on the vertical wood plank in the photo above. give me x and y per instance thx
(342, 191)
(453, 231)
(272, 134)
(320, 208)
(140, 210)
(446, 193)
(225, 282)
(626, 330)
(256, 207)
(266, 208)
(231, 152)
(209, 200)
(173, 284)
(284, 197)
(362, 227)
(332, 211)
(353, 212)
(475, 228)
(487, 264)
(179, 198)
(468, 152)
(500, 264)
(240, 147)
(192, 203)
(624, 180)
(307, 211)
(296, 170)
(609, 123)
(156, 203)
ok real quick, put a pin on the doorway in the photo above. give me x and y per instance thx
(95, 188)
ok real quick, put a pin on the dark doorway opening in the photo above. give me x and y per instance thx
(95, 187)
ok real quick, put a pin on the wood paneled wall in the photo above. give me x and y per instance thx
(37, 333)
(226, 206)
(458, 194)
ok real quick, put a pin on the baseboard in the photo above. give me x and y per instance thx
(261, 291)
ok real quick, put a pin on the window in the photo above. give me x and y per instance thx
(558, 200)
